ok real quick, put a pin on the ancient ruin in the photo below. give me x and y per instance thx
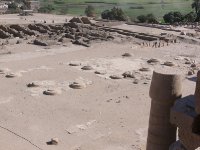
(170, 114)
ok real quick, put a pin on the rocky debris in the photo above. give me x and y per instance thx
(64, 40)
(191, 72)
(128, 74)
(22, 29)
(39, 42)
(76, 19)
(81, 42)
(32, 84)
(136, 81)
(100, 72)
(15, 33)
(53, 141)
(193, 65)
(51, 92)
(188, 62)
(70, 36)
(77, 85)
(86, 20)
(153, 61)
(54, 27)
(11, 75)
(11, 31)
(127, 55)
(44, 26)
(169, 63)
(144, 69)
(74, 63)
(183, 33)
(116, 76)
(72, 25)
(3, 34)
(37, 28)
(87, 68)
(79, 30)
(19, 41)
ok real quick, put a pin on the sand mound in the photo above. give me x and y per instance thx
(11, 75)
(77, 85)
(145, 69)
(169, 63)
(87, 68)
(127, 55)
(153, 60)
(32, 84)
(116, 77)
(100, 72)
(128, 74)
(51, 92)
(74, 63)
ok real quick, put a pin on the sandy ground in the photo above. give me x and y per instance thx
(106, 115)
(39, 18)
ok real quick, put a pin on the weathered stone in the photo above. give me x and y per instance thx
(40, 43)
(169, 63)
(3, 34)
(127, 55)
(32, 84)
(77, 85)
(145, 69)
(87, 68)
(51, 92)
(85, 20)
(164, 91)
(128, 74)
(153, 60)
(76, 19)
(116, 77)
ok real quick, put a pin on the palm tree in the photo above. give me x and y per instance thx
(196, 5)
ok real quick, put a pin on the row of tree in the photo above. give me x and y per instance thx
(171, 17)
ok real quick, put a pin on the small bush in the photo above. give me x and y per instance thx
(142, 18)
(173, 17)
(114, 14)
(149, 18)
(90, 11)
(190, 17)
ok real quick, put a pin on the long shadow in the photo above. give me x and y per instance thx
(194, 79)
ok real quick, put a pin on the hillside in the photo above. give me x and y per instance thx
(132, 8)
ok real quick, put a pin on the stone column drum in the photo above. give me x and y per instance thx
(164, 90)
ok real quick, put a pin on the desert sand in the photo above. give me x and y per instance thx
(102, 113)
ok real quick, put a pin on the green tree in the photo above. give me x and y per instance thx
(196, 5)
(149, 18)
(90, 11)
(114, 14)
(190, 17)
(142, 18)
(173, 17)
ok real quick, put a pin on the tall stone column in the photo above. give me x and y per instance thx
(197, 94)
(164, 90)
